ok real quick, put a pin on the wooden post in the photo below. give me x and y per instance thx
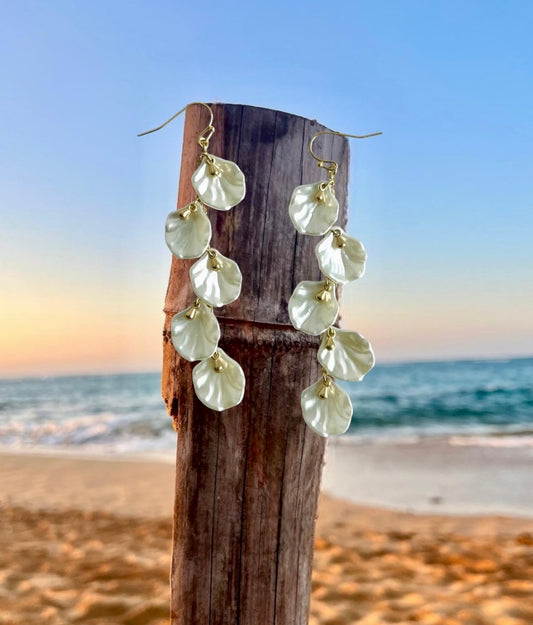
(247, 479)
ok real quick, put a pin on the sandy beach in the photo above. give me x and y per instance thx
(87, 540)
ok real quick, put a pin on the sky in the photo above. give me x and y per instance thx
(442, 201)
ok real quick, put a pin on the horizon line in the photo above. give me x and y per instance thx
(387, 363)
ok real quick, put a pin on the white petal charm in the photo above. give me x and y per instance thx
(326, 408)
(219, 183)
(341, 258)
(345, 354)
(313, 306)
(313, 208)
(216, 279)
(219, 381)
(195, 332)
(188, 231)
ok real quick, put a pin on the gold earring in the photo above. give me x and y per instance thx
(218, 380)
(313, 306)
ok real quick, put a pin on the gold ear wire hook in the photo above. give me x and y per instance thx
(332, 166)
(203, 139)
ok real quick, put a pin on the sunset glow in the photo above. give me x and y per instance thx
(442, 201)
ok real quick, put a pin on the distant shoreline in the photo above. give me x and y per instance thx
(380, 363)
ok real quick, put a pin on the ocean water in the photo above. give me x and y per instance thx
(470, 402)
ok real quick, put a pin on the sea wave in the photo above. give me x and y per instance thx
(126, 432)
(467, 403)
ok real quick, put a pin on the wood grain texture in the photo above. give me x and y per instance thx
(247, 479)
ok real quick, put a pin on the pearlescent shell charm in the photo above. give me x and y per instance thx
(219, 382)
(313, 208)
(341, 258)
(313, 306)
(216, 279)
(195, 332)
(188, 231)
(345, 354)
(219, 183)
(326, 409)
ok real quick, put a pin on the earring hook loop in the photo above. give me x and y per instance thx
(205, 135)
(332, 166)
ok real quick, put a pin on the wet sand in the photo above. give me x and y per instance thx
(88, 541)
(436, 475)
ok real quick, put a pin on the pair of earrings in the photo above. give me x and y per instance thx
(219, 380)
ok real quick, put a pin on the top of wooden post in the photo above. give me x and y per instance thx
(271, 147)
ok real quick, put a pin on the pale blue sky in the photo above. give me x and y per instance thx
(442, 201)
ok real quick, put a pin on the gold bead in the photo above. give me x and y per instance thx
(185, 213)
(321, 196)
(215, 264)
(324, 391)
(213, 169)
(339, 240)
(324, 294)
(191, 313)
(218, 364)
(193, 310)
(330, 340)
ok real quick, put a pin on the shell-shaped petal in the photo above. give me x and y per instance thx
(311, 215)
(330, 415)
(195, 332)
(308, 311)
(219, 383)
(341, 258)
(219, 183)
(345, 354)
(216, 279)
(187, 232)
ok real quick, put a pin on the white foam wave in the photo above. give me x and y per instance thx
(105, 430)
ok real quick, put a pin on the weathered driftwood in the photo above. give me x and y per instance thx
(247, 479)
